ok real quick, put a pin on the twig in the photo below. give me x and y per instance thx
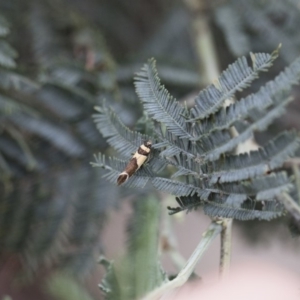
(204, 44)
(208, 236)
(225, 255)
(297, 180)
(207, 54)
(291, 206)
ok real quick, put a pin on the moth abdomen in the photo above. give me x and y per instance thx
(122, 178)
(137, 160)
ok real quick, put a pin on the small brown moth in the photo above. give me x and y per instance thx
(137, 160)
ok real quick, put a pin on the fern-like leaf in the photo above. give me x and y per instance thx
(223, 206)
(239, 110)
(261, 100)
(60, 137)
(263, 187)
(263, 120)
(174, 145)
(7, 55)
(124, 140)
(159, 104)
(237, 77)
(246, 211)
(174, 187)
(4, 27)
(210, 147)
(239, 167)
(10, 80)
(9, 106)
(230, 22)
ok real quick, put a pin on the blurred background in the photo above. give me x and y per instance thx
(60, 58)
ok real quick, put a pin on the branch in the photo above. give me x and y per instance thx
(291, 206)
(225, 255)
(208, 236)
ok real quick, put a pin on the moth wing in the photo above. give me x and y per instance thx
(140, 159)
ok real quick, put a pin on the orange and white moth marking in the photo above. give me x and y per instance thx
(137, 160)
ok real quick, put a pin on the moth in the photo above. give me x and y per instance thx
(137, 160)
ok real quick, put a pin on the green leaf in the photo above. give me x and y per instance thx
(4, 27)
(262, 121)
(10, 80)
(246, 211)
(226, 207)
(58, 136)
(116, 166)
(7, 55)
(238, 167)
(235, 78)
(230, 22)
(124, 140)
(265, 187)
(159, 104)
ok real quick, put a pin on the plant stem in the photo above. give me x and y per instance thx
(225, 255)
(297, 181)
(208, 57)
(291, 206)
(204, 44)
(205, 48)
(208, 236)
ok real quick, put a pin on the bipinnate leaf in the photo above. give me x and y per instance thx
(159, 104)
(198, 144)
(236, 77)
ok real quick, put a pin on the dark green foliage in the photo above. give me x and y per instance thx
(64, 287)
(159, 104)
(237, 77)
(63, 70)
(271, 156)
(198, 142)
(49, 195)
(256, 24)
(229, 207)
(112, 128)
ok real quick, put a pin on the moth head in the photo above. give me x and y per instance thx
(148, 144)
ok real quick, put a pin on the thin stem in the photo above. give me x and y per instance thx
(204, 44)
(205, 48)
(208, 57)
(225, 255)
(291, 206)
(208, 236)
(297, 180)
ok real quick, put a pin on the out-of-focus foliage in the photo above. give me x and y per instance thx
(51, 214)
(250, 25)
(139, 271)
(53, 204)
(60, 58)
(64, 287)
